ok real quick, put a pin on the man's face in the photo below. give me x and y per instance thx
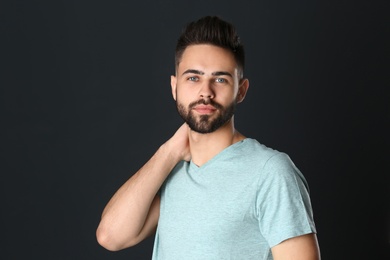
(205, 87)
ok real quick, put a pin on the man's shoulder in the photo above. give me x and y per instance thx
(248, 153)
(254, 149)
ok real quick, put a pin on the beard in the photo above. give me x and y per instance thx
(205, 124)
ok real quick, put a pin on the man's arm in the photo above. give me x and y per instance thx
(132, 213)
(298, 248)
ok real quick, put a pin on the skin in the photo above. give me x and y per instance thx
(216, 79)
(206, 73)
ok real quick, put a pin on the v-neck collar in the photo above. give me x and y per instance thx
(193, 168)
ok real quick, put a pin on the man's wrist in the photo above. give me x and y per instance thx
(173, 154)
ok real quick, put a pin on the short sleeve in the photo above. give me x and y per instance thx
(283, 203)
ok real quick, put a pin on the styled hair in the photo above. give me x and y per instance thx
(215, 31)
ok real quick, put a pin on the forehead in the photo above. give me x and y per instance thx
(208, 58)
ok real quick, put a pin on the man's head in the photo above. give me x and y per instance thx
(214, 31)
(209, 74)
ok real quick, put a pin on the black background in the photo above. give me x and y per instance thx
(85, 101)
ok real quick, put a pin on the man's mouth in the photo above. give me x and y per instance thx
(204, 109)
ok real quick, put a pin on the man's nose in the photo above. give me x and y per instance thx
(207, 91)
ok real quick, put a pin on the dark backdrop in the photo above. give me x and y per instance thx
(85, 100)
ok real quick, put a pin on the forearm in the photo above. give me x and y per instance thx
(126, 213)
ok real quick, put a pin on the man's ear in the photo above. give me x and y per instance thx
(242, 89)
(173, 86)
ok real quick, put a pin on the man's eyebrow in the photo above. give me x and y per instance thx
(222, 73)
(192, 71)
(217, 73)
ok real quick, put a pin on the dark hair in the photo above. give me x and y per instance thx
(215, 31)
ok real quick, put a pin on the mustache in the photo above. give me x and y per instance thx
(204, 102)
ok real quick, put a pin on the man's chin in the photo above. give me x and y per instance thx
(200, 130)
(205, 127)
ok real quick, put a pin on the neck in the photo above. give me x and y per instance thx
(203, 147)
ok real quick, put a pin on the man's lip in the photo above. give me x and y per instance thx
(204, 109)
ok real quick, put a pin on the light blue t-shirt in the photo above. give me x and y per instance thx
(238, 205)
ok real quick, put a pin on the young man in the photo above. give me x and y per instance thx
(210, 192)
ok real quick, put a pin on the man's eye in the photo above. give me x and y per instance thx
(193, 79)
(220, 80)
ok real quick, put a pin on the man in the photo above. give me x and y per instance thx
(209, 192)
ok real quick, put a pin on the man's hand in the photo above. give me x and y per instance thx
(179, 143)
